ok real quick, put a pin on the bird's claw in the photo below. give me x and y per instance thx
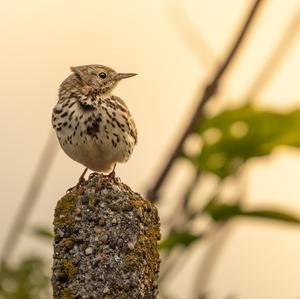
(81, 182)
(112, 175)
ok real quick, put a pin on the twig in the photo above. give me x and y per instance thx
(214, 251)
(209, 91)
(276, 57)
(181, 207)
(210, 259)
(31, 195)
(192, 37)
(171, 261)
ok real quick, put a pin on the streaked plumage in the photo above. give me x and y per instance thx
(94, 127)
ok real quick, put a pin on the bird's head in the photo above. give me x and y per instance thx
(98, 78)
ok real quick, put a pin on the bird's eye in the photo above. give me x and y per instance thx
(102, 75)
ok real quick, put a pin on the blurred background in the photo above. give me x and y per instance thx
(218, 81)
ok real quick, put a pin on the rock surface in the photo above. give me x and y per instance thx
(105, 243)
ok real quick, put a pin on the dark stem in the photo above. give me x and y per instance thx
(275, 57)
(209, 91)
(31, 195)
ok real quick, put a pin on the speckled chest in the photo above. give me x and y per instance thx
(82, 123)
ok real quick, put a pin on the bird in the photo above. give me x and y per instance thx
(93, 126)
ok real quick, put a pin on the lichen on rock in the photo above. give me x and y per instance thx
(105, 243)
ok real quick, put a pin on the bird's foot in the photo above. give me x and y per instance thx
(112, 175)
(80, 183)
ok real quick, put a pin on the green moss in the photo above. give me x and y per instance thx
(130, 257)
(146, 246)
(69, 268)
(63, 294)
(137, 203)
(122, 295)
(64, 207)
(92, 200)
(149, 241)
(131, 261)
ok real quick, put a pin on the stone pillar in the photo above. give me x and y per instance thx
(105, 243)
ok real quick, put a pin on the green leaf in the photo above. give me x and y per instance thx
(222, 211)
(273, 215)
(42, 232)
(176, 238)
(27, 280)
(233, 136)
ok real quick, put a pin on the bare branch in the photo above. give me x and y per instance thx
(276, 57)
(31, 195)
(209, 91)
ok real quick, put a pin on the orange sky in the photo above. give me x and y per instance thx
(40, 40)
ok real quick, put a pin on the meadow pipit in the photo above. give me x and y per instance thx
(93, 126)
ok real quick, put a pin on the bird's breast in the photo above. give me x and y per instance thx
(96, 136)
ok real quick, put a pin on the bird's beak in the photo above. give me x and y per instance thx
(121, 76)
